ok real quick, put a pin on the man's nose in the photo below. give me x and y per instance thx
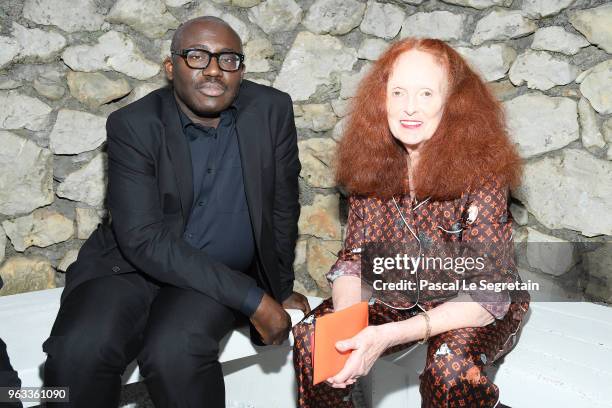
(213, 68)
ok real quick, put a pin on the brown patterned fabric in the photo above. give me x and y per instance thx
(478, 221)
(455, 369)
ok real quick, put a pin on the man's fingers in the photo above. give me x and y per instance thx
(305, 307)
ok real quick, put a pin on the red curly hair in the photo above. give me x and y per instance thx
(470, 142)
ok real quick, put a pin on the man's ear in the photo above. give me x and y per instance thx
(169, 67)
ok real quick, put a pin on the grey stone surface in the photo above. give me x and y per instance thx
(349, 81)
(544, 8)
(519, 213)
(318, 117)
(503, 90)
(26, 175)
(502, 24)
(258, 52)
(22, 111)
(95, 89)
(316, 156)
(9, 49)
(595, 24)
(38, 44)
(302, 70)
(42, 228)
(76, 132)
(607, 130)
(339, 129)
(177, 3)
(48, 88)
(540, 123)
(69, 15)
(140, 91)
(382, 20)
(273, 16)
(556, 39)
(598, 264)
(114, 51)
(2, 244)
(334, 16)
(491, 61)
(21, 274)
(341, 107)
(549, 254)
(87, 220)
(541, 70)
(8, 83)
(442, 25)
(243, 30)
(589, 130)
(372, 48)
(321, 256)
(321, 219)
(245, 3)
(480, 4)
(566, 191)
(596, 86)
(69, 257)
(88, 184)
(150, 17)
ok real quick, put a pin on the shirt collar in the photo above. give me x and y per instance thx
(226, 117)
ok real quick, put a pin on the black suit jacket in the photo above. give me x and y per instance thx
(150, 194)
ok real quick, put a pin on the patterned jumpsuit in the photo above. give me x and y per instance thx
(455, 369)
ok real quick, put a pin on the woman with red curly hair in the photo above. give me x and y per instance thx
(428, 165)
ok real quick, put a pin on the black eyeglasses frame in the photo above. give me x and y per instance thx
(183, 53)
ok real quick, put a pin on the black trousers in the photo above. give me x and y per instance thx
(174, 334)
(8, 376)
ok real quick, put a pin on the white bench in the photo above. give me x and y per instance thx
(26, 320)
(562, 359)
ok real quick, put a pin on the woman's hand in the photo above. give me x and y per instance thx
(367, 346)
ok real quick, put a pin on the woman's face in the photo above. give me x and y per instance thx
(416, 94)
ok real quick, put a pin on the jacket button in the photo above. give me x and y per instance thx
(116, 268)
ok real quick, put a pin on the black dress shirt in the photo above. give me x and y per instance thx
(219, 222)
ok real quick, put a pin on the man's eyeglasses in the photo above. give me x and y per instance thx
(197, 58)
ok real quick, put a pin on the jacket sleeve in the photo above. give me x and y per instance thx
(142, 236)
(286, 199)
(488, 234)
(349, 257)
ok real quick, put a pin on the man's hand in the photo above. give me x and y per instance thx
(297, 301)
(271, 321)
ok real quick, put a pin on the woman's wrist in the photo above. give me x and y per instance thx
(406, 331)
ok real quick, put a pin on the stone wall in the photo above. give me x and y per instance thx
(66, 64)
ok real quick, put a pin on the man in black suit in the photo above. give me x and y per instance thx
(203, 200)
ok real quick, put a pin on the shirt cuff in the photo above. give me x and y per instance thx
(344, 268)
(251, 301)
(496, 304)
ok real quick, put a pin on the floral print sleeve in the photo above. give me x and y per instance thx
(349, 258)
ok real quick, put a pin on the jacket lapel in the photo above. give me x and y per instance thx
(178, 149)
(247, 127)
